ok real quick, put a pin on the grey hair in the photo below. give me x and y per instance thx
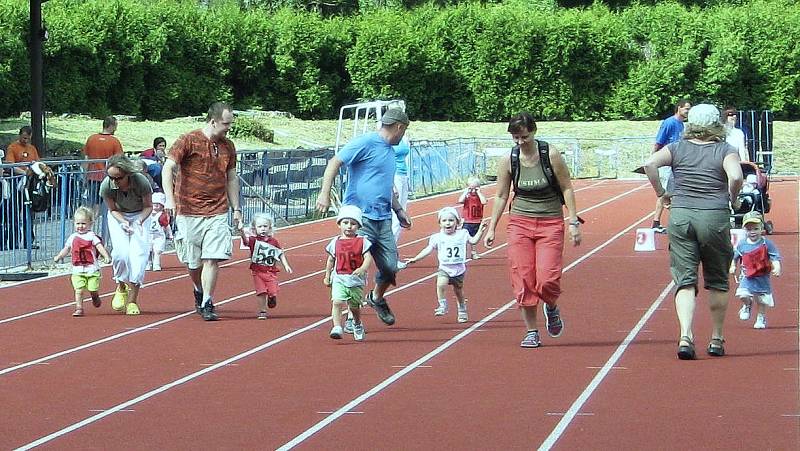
(124, 164)
(713, 132)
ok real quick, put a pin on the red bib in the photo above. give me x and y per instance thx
(349, 256)
(82, 252)
(756, 262)
(473, 208)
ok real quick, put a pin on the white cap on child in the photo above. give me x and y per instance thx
(449, 211)
(349, 212)
(159, 198)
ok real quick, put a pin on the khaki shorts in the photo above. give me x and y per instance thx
(351, 295)
(199, 238)
(89, 281)
(700, 237)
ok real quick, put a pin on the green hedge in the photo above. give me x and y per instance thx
(468, 61)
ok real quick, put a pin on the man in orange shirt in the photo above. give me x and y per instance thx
(205, 189)
(100, 146)
(21, 151)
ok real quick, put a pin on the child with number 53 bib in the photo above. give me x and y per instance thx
(265, 253)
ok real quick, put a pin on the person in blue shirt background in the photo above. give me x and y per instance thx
(670, 131)
(401, 182)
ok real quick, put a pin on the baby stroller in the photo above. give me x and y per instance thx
(754, 195)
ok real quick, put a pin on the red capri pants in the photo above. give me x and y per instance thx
(535, 249)
(266, 283)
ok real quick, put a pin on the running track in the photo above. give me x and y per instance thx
(167, 380)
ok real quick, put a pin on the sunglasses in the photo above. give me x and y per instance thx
(731, 114)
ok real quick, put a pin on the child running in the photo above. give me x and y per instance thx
(346, 270)
(473, 201)
(265, 253)
(759, 258)
(84, 245)
(451, 242)
(160, 231)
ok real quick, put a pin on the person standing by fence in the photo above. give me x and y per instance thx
(99, 146)
(206, 187)
(128, 197)
(21, 151)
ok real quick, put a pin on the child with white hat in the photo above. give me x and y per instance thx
(758, 257)
(451, 243)
(160, 231)
(346, 271)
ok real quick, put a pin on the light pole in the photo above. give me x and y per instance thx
(37, 36)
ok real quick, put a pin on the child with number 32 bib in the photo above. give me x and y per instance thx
(265, 253)
(451, 243)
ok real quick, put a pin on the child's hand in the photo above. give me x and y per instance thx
(776, 268)
(732, 269)
(327, 280)
(57, 259)
(358, 272)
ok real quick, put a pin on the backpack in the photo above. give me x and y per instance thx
(38, 193)
(547, 168)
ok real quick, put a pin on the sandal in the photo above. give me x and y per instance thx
(716, 348)
(686, 352)
(78, 312)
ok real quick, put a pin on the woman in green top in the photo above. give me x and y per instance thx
(535, 227)
(128, 196)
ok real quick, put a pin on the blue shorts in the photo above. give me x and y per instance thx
(472, 227)
(384, 248)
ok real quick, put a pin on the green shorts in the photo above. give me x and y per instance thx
(352, 295)
(700, 237)
(86, 281)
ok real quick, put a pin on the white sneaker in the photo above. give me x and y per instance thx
(475, 255)
(401, 265)
(441, 310)
(358, 332)
(761, 321)
(462, 313)
(156, 267)
(348, 324)
(744, 312)
(336, 332)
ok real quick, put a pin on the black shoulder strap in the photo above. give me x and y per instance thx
(515, 167)
(547, 168)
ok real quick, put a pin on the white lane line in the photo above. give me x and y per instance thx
(441, 348)
(206, 370)
(598, 378)
(312, 326)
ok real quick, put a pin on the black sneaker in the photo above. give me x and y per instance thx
(208, 312)
(198, 301)
(381, 308)
(272, 302)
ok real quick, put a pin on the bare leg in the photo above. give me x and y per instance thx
(209, 278)
(336, 313)
(529, 316)
(718, 303)
(133, 293)
(356, 315)
(459, 291)
(262, 302)
(684, 307)
(78, 299)
(659, 209)
(196, 276)
(380, 290)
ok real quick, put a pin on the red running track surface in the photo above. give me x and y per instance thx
(168, 380)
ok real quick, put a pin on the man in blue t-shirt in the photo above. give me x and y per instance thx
(370, 162)
(670, 131)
